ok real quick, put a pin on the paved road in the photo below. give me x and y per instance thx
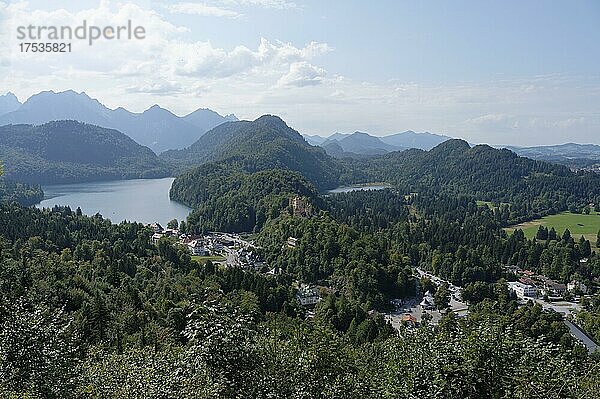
(581, 336)
(413, 308)
(564, 307)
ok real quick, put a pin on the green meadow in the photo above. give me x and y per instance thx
(578, 225)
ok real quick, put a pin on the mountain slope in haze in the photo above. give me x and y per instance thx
(206, 119)
(410, 139)
(314, 139)
(70, 151)
(357, 143)
(335, 149)
(265, 143)
(569, 154)
(156, 128)
(8, 103)
(363, 144)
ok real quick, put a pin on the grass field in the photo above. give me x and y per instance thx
(578, 225)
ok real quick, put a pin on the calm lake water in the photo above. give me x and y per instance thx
(347, 189)
(144, 200)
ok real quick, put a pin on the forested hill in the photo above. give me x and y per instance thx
(233, 152)
(70, 151)
(227, 199)
(24, 194)
(265, 143)
(454, 167)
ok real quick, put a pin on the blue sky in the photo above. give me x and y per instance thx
(431, 41)
(510, 72)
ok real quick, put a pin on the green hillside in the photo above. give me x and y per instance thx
(488, 174)
(69, 151)
(265, 143)
(24, 194)
(227, 199)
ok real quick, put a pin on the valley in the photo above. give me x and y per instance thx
(273, 199)
(388, 250)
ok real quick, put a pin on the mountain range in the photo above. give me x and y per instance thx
(356, 144)
(359, 144)
(9, 103)
(570, 154)
(70, 152)
(156, 127)
(246, 172)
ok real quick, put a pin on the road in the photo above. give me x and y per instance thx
(581, 336)
(412, 307)
(563, 307)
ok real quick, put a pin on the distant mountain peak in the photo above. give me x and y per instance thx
(10, 95)
(264, 143)
(155, 108)
(156, 127)
(270, 118)
(356, 144)
(9, 103)
(452, 145)
(412, 139)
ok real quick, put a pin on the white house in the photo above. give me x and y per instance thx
(524, 290)
(156, 228)
(197, 248)
(427, 303)
(156, 237)
(577, 286)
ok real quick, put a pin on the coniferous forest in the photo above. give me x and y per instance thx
(93, 309)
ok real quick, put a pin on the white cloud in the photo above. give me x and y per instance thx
(287, 79)
(570, 123)
(201, 59)
(277, 4)
(158, 88)
(302, 74)
(227, 8)
(487, 118)
(202, 9)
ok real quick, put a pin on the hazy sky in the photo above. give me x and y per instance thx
(502, 72)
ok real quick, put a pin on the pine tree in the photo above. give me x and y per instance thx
(542, 233)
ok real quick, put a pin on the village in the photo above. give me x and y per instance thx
(226, 249)
(232, 250)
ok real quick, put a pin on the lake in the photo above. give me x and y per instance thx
(358, 187)
(141, 200)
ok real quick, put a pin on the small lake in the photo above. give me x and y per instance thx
(141, 200)
(358, 187)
